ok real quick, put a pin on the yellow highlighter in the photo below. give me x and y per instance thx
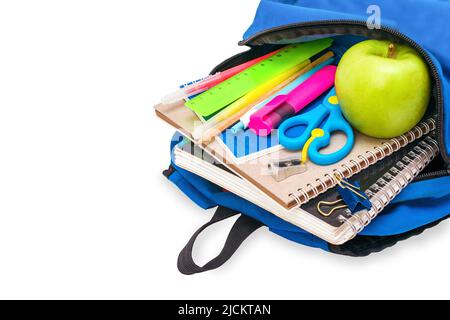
(237, 109)
(257, 93)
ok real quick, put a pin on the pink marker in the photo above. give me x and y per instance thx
(212, 80)
(281, 107)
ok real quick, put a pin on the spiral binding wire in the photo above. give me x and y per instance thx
(399, 180)
(303, 195)
(384, 191)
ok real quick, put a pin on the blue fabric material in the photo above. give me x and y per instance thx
(424, 21)
(304, 238)
(192, 192)
(419, 204)
(431, 190)
(408, 216)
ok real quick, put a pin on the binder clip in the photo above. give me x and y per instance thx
(353, 198)
(352, 195)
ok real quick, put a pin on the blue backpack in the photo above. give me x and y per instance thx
(424, 203)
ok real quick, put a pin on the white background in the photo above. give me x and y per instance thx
(84, 209)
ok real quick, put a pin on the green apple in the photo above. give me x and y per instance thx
(383, 88)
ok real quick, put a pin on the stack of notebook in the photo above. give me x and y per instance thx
(295, 199)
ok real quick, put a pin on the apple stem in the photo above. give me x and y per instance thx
(391, 51)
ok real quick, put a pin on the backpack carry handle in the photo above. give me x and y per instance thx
(242, 228)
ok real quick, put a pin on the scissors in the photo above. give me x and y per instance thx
(328, 115)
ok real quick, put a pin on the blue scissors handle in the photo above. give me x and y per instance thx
(335, 124)
(309, 120)
(328, 113)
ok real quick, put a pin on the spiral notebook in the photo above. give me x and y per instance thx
(382, 183)
(297, 190)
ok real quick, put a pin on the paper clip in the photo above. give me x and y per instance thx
(330, 203)
(344, 185)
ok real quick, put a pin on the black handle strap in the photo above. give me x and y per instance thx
(242, 228)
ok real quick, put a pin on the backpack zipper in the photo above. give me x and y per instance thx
(432, 175)
(327, 24)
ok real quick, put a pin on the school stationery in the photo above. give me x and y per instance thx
(271, 115)
(323, 120)
(225, 118)
(353, 196)
(204, 84)
(237, 86)
(422, 205)
(299, 189)
(380, 183)
(243, 122)
(257, 95)
(246, 145)
(336, 224)
(233, 112)
(365, 153)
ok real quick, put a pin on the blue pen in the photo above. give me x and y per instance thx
(243, 122)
